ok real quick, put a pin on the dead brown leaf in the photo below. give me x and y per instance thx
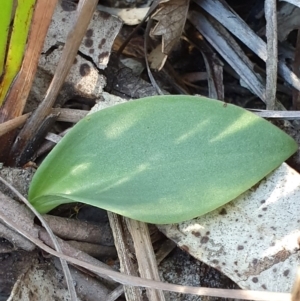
(171, 17)
(156, 58)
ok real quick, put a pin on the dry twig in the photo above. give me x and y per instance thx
(272, 50)
(135, 281)
(17, 96)
(64, 264)
(228, 48)
(145, 256)
(221, 11)
(296, 68)
(68, 228)
(24, 143)
(131, 293)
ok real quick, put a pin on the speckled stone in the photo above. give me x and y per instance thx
(254, 239)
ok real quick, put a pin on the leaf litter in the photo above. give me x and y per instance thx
(171, 17)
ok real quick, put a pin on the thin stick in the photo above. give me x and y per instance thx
(145, 256)
(136, 281)
(117, 226)
(153, 81)
(272, 51)
(285, 115)
(64, 264)
(85, 12)
(12, 124)
(296, 66)
(66, 115)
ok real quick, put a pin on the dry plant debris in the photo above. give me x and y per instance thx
(171, 17)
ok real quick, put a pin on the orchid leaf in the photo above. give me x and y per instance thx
(161, 159)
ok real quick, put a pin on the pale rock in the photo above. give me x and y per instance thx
(254, 239)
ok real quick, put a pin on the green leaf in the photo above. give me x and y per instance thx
(17, 44)
(5, 15)
(160, 159)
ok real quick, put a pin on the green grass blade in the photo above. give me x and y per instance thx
(5, 15)
(17, 44)
(160, 159)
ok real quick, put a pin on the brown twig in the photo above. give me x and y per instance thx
(68, 250)
(17, 96)
(118, 228)
(89, 288)
(213, 65)
(12, 124)
(23, 216)
(27, 141)
(95, 250)
(67, 228)
(64, 264)
(145, 256)
(65, 115)
(135, 281)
